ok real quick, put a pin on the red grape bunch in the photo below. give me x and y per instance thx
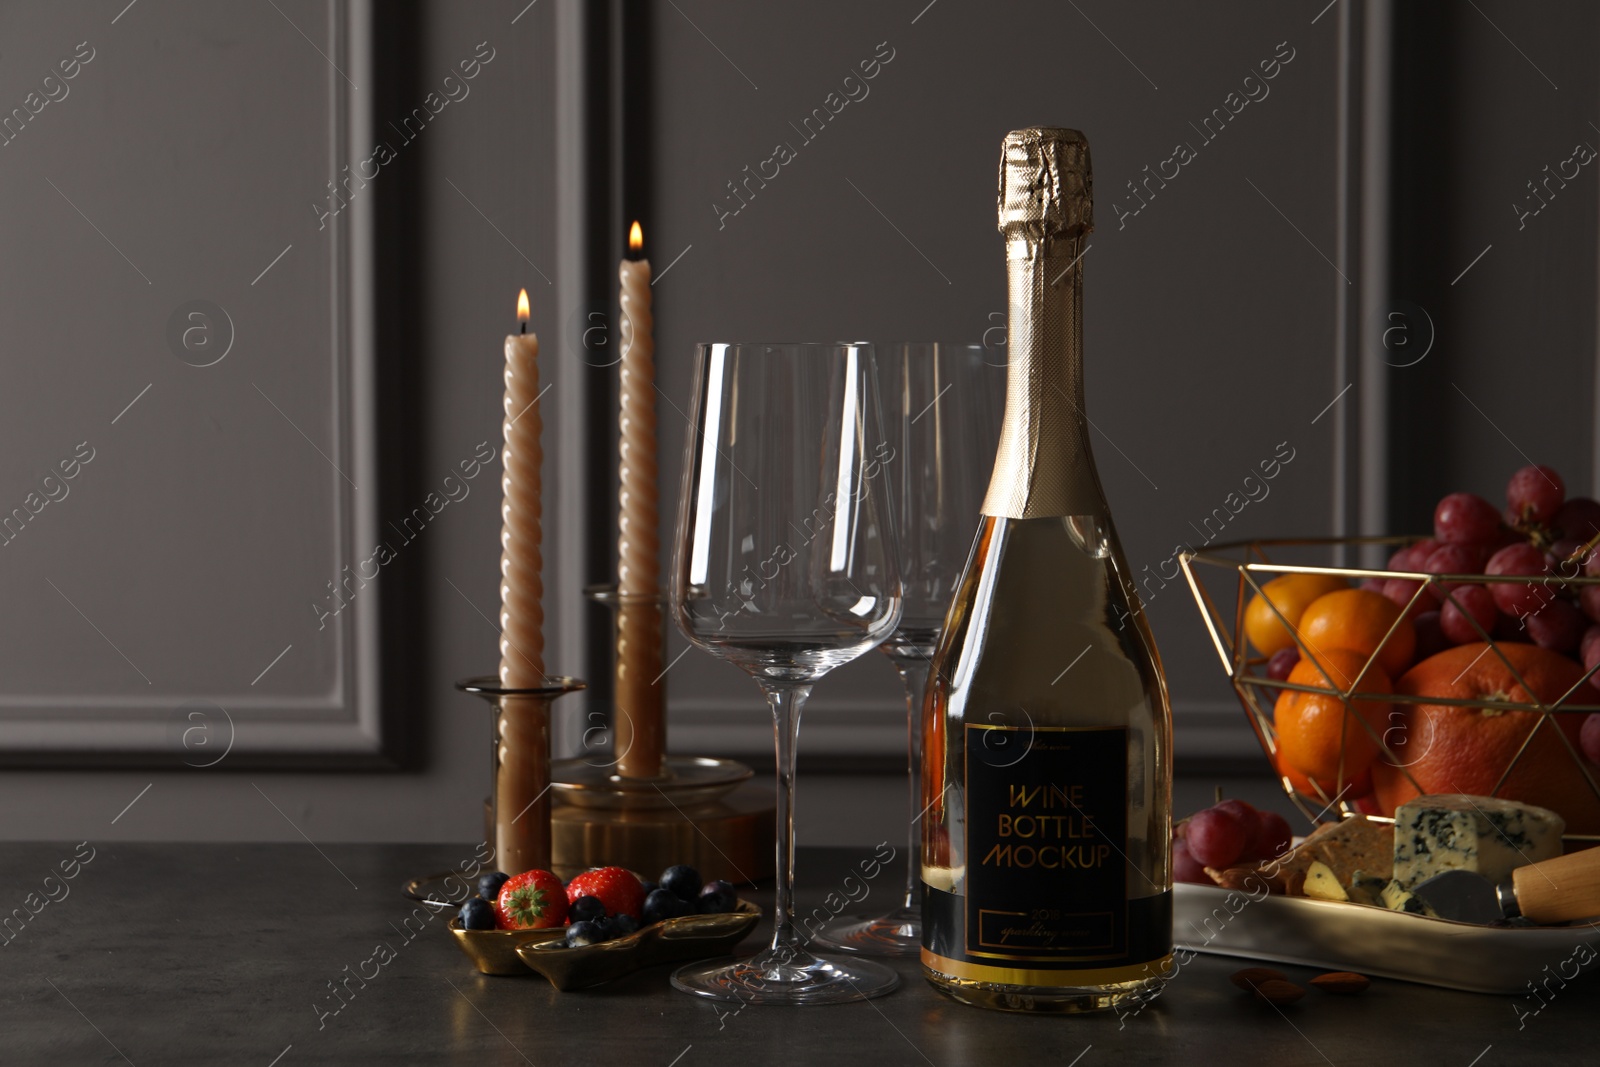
(1543, 536)
(1537, 536)
(1224, 835)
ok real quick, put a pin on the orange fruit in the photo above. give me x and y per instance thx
(1353, 788)
(1316, 731)
(1449, 748)
(1359, 620)
(1289, 594)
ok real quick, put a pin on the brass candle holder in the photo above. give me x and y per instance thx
(692, 809)
(519, 799)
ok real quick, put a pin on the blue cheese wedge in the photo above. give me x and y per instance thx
(1487, 835)
(1367, 889)
(1397, 898)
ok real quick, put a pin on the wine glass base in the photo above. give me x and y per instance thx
(804, 979)
(897, 935)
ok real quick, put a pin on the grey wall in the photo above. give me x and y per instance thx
(148, 538)
(1210, 324)
(257, 84)
(1511, 374)
(1209, 319)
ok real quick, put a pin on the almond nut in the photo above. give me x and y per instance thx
(1279, 992)
(1341, 982)
(1228, 877)
(1241, 879)
(1251, 977)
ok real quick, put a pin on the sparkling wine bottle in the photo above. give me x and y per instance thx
(1048, 736)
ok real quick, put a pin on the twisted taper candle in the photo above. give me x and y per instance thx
(522, 740)
(639, 727)
(521, 584)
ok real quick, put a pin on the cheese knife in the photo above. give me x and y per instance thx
(1556, 890)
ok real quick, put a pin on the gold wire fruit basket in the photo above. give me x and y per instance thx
(1547, 766)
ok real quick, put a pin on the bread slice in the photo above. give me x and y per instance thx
(1353, 844)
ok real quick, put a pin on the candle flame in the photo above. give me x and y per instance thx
(522, 306)
(635, 237)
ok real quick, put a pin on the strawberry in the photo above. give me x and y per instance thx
(616, 887)
(533, 900)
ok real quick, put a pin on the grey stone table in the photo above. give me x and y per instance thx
(224, 954)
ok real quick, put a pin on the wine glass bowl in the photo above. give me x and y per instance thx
(946, 409)
(786, 566)
(943, 403)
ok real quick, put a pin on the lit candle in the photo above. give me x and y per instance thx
(521, 785)
(639, 727)
(521, 585)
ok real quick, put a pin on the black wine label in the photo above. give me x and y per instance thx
(1046, 877)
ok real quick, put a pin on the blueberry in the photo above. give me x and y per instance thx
(587, 932)
(489, 884)
(623, 925)
(477, 914)
(586, 909)
(718, 896)
(650, 887)
(662, 904)
(682, 880)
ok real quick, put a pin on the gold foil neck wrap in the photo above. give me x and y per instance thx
(1044, 467)
(1046, 186)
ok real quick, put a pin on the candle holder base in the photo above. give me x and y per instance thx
(730, 835)
(688, 781)
(701, 811)
(518, 816)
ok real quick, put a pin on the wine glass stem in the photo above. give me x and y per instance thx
(914, 672)
(786, 701)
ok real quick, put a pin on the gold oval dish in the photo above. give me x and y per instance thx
(495, 951)
(691, 937)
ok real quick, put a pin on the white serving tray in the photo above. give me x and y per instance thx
(1376, 941)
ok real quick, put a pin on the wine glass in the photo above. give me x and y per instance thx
(786, 567)
(944, 404)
